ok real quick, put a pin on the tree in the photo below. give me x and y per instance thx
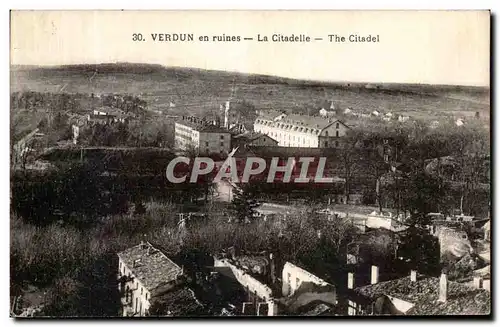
(377, 168)
(468, 148)
(338, 232)
(243, 205)
(422, 194)
(420, 250)
(349, 157)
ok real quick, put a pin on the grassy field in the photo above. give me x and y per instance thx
(195, 91)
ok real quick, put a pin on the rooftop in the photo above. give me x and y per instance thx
(249, 136)
(461, 300)
(178, 302)
(313, 122)
(201, 125)
(270, 115)
(150, 265)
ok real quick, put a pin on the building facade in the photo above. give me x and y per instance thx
(191, 133)
(145, 274)
(302, 130)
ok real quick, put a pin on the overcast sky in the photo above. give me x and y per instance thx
(415, 47)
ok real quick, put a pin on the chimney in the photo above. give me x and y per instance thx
(350, 280)
(443, 288)
(374, 275)
(413, 275)
(477, 282)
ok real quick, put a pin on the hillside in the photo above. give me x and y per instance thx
(194, 90)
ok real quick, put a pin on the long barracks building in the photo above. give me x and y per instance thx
(301, 130)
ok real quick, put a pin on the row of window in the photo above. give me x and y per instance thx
(206, 144)
(183, 136)
(294, 137)
(182, 128)
(292, 127)
(336, 132)
(298, 138)
(336, 144)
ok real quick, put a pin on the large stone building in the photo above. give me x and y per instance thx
(302, 130)
(150, 284)
(206, 138)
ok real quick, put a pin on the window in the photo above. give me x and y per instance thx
(136, 303)
(297, 281)
(221, 143)
(141, 290)
(337, 126)
(336, 144)
(222, 137)
(206, 143)
(326, 133)
(337, 133)
(326, 144)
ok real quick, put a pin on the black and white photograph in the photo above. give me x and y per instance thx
(199, 164)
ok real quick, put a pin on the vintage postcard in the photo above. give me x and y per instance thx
(250, 163)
